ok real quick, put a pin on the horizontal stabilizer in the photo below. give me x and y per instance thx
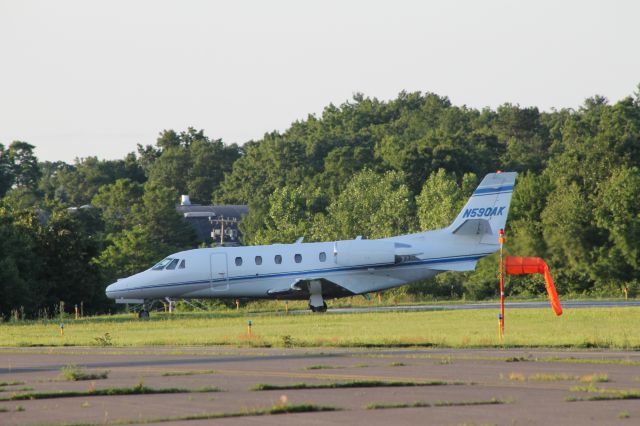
(468, 265)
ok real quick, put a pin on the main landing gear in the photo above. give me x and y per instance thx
(322, 308)
(316, 302)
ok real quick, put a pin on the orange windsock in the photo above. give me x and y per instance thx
(515, 265)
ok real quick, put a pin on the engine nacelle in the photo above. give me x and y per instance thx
(364, 252)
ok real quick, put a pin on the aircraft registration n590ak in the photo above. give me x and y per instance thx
(326, 270)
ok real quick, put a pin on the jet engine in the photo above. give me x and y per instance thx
(370, 252)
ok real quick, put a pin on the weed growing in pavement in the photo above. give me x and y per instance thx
(74, 373)
(350, 384)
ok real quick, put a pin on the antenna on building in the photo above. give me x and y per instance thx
(222, 221)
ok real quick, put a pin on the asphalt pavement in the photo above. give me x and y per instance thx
(463, 306)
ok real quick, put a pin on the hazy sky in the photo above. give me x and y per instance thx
(80, 78)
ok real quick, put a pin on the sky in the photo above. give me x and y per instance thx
(85, 78)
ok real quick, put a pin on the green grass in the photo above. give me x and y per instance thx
(278, 409)
(188, 373)
(602, 394)
(595, 378)
(516, 359)
(573, 360)
(350, 384)
(12, 383)
(419, 404)
(576, 328)
(605, 397)
(322, 367)
(75, 373)
(539, 377)
(138, 389)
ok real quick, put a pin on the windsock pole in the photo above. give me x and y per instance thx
(501, 315)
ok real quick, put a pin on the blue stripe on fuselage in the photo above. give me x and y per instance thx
(433, 261)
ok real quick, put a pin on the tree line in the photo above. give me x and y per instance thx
(366, 167)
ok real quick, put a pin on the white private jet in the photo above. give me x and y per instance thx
(319, 271)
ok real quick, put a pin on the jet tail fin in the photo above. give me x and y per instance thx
(486, 211)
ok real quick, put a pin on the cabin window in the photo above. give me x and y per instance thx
(298, 258)
(322, 256)
(182, 264)
(258, 260)
(160, 265)
(278, 259)
(238, 261)
(173, 264)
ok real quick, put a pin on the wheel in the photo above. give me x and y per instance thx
(322, 308)
(143, 314)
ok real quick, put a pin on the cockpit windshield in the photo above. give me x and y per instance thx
(160, 265)
(173, 264)
(168, 264)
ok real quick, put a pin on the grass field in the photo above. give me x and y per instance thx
(576, 328)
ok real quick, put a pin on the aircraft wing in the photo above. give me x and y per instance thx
(299, 289)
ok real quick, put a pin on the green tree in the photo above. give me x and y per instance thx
(291, 214)
(442, 198)
(157, 231)
(618, 212)
(19, 264)
(526, 140)
(116, 202)
(67, 243)
(78, 184)
(131, 251)
(190, 163)
(570, 236)
(170, 170)
(372, 205)
(525, 227)
(23, 164)
(438, 204)
(6, 174)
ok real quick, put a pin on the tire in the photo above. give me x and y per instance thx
(322, 308)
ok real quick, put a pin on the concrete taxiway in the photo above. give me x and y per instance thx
(533, 384)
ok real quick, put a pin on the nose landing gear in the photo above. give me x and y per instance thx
(143, 313)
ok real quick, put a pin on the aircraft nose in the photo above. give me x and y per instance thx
(112, 290)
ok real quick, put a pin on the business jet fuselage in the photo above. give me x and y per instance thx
(325, 270)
